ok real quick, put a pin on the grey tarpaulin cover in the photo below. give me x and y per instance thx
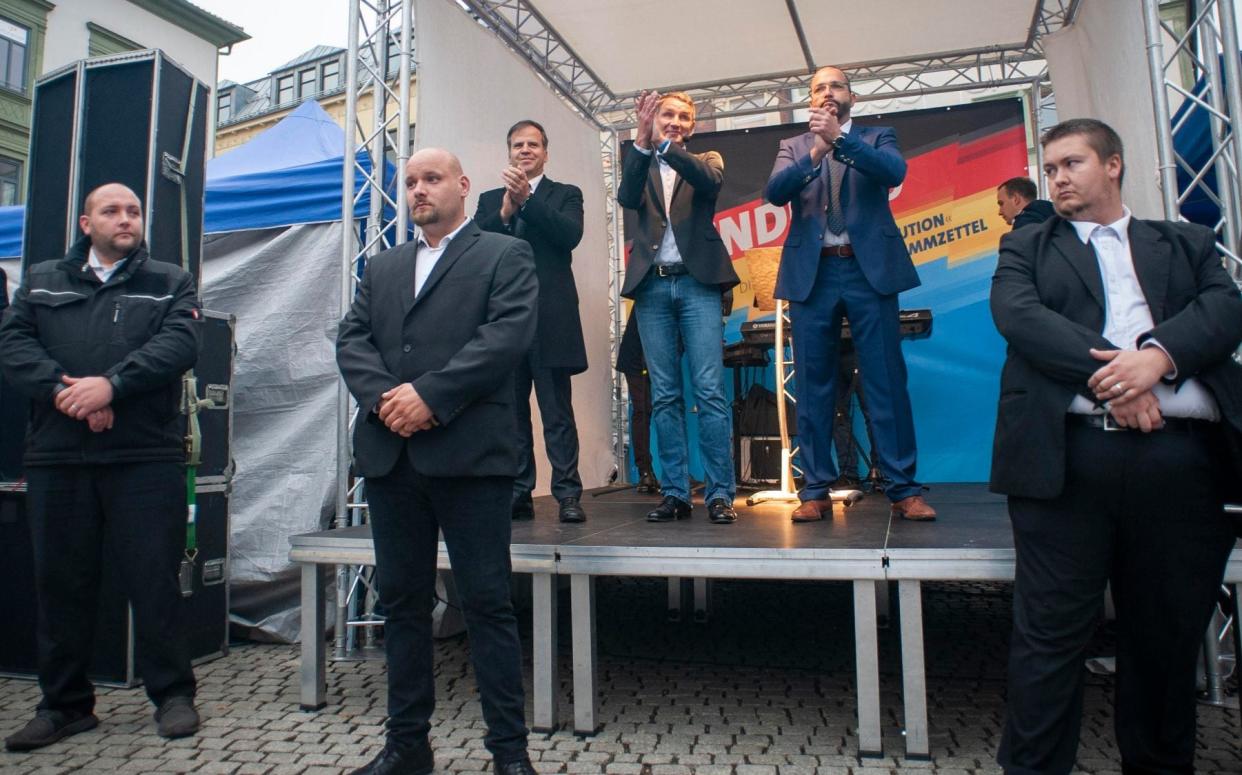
(283, 285)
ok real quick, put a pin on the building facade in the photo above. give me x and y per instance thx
(38, 36)
(243, 110)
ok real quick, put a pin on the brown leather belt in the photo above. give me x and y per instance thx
(839, 251)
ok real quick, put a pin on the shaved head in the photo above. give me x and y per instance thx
(440, 156)
(435, 190)
(105, 190)
(112, 218)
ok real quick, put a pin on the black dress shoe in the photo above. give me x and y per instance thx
(399, 761)
(721, 512)
(571, 510)
(523, 506)
(670, 509)
(647, 483)
(47, 727)
(519, 767)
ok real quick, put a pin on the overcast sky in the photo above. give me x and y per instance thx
(279, 30)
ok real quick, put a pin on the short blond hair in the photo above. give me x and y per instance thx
(678, 95)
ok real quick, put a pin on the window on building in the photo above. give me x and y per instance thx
(306, 83)
(224, 107)
(10, 181)
(284, 89)
(331, 75)
(13, 41)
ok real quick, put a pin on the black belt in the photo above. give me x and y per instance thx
(1105, 422)
(839, 251)
(668, 270)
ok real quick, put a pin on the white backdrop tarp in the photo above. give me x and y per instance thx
(1099, 70)
(471, 89)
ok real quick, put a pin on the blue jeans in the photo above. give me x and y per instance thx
(673, 308)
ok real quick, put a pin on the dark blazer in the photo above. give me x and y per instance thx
(551, 221)
(693, 209)
(458, 342)
(874, 164)
(1048, 302)
(1036, 211)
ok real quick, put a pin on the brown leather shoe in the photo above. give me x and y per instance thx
(914, 508)
(812, 510)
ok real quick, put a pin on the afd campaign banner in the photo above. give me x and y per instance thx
(946, 210)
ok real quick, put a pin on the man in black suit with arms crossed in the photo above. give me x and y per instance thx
(428, 349)
(1118, 440)
(548, 215)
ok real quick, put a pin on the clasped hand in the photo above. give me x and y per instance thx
(89, 399)
(517, 191)
(1124, 384)
(404, 412)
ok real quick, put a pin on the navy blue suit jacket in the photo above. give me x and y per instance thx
(873, 165)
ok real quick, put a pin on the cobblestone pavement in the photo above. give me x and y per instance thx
(765, 687)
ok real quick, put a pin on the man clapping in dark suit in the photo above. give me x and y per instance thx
(548, 215)
(428, 349)
(677, 273)
(1118, 439)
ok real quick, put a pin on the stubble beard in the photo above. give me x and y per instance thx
(430, 215)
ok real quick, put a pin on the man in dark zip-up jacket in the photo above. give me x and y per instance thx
(98, 341)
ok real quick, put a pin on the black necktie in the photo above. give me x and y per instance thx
(836, 216)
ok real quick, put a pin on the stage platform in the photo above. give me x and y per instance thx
(861, 544)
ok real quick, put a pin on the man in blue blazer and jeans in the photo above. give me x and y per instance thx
(844, 257)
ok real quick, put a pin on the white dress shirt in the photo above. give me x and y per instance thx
(1127, 317)
(428, 256)
(668, 252)
(104, 273)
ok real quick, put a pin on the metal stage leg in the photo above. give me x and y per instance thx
(702, 600)
(314, 674)
(674, 598)
(913, 668)
(582, 614)
(544, 663)
(882, 606)
(867, 664)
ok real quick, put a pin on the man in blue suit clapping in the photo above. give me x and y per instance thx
(844, 257)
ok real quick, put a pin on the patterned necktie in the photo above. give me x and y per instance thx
(836, 216)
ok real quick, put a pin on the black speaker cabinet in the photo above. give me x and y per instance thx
(14, 411)
(214, 373)
(206, 610)
(136, 118)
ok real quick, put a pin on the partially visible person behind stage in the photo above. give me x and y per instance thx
(844, 256)
(633, 366)
(1113, 324)
(1018, 202)
(678, 270)
(548, 215)
(4, 291)
(429, 348)
(99, 341)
